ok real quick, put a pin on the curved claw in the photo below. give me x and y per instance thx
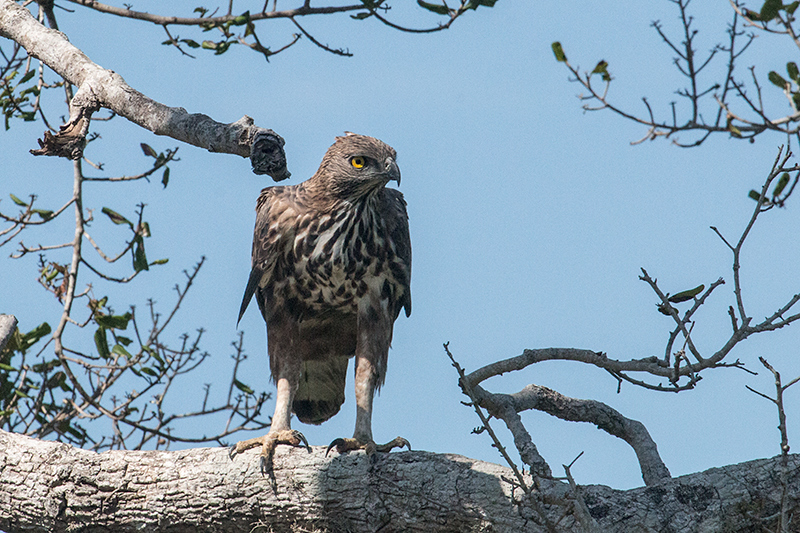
(265, 465)
(303, 440)
(232, 451)
(336, 443)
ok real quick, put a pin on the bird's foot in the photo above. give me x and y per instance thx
(346, 445)
(268, 444)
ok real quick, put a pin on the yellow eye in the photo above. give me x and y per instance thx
(358, 161)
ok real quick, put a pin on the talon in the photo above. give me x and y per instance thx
(397, 442)
(268, 444)
(303, 440)
(265, 465)
(336, 443)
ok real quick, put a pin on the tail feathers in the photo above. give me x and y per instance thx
(320, 393)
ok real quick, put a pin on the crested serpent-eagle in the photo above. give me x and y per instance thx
(331, 271)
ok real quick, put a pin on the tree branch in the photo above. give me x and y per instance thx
(576, 410)
(49, 486)
(98, 87)
(8, 325)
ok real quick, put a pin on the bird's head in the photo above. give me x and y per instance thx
(356, 166)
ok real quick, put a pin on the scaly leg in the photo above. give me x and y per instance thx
(280, 431)
(366, 383)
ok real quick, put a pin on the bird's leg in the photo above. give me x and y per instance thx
(366, 383)
(280, 431)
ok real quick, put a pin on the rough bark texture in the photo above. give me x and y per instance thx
(98, 87)
(47, 486)
(8, 324)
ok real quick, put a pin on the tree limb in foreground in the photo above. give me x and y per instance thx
(49, 486)
(98, 88)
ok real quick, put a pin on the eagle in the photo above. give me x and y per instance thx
(331, 271)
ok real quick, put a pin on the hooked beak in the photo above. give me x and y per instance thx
(392, 170)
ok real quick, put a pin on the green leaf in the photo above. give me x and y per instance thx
(148, 151)
(222, 47)
(125, 341)
(754, 194)
(770, 10)
(7, 368)
(209, 45)
(154, 355)
(242, 19)
(602, 69)
(33, 336)
(119, 350)
(50, 274)
(686, 295)
(473, 4)
(783, 181)
(18, 201)
(115, 217)
(21, 394)
(149, 371)
(113, 322)
(190, 43)
(436, 8)
(361, 16)
(26, 77)
(559, 52)
(242, 387)
(777, 79)
(791, 8)
(791, 69)
(165, 178)
(43, 213)
(101, 342)
(139, 257)
(56, 380)
(752, 15)
(46, 366)
(160, 262)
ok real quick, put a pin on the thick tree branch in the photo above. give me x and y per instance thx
(48, 486)
(576, 410)
(8, 324)
(98, 87)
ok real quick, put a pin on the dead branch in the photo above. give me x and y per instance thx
(101, 88)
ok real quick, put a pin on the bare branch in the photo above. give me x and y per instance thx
(98, 87)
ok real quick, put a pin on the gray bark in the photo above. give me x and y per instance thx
(47, 486)
(99, 87)
(8, 324)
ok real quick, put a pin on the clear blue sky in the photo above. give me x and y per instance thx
(529, 218)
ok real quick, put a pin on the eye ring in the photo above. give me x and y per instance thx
(358, 162)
